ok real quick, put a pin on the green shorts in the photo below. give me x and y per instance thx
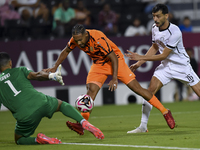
(27, 127)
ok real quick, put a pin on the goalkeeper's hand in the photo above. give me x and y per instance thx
(57, 75)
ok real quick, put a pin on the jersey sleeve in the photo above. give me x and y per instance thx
(174, 39)
(71, 44)
(104, 46)
(25, 70)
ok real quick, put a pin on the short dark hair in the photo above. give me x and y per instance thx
(186, 18)
(4, 59)
(161, 7)
(78, 29)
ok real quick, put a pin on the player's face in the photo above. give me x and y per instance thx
(80, 39)
(159, 18)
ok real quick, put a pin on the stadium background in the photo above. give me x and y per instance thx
(41, 52)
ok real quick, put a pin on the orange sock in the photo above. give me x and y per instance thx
(86, 115)
(156, 103)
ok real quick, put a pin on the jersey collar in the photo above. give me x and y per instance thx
(165, 29)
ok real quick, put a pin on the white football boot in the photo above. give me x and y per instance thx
(138, 130)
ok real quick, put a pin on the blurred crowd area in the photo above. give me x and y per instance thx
(50, 19)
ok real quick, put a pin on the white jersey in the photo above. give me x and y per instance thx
(172, 39)
(177, 64)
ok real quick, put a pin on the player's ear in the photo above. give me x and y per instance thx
(10, 63)
(85, 33)
(167, 16)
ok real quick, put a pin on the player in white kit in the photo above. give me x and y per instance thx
(175, 63)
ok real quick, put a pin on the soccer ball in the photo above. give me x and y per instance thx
(84, 103)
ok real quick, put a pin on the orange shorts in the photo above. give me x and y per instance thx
(98, 73)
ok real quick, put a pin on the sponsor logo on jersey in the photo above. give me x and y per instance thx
(91, 48)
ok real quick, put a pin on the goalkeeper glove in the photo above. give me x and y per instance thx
(56, 76)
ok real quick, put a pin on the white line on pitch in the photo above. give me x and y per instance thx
(136, 146)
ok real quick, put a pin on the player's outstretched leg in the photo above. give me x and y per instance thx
(43, 139)
(169, 119)
(69, 111)
(77, 127)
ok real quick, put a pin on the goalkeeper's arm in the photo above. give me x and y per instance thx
(44, 76)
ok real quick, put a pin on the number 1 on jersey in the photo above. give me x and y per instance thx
(12, 87)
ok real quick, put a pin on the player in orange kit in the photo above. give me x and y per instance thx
(107, 60)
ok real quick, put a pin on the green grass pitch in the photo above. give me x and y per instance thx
(115, 121)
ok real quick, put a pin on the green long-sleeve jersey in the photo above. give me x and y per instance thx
(18, 94)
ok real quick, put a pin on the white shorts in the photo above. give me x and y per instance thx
(186, 74)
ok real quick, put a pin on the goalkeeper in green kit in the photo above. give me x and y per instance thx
(28, 106)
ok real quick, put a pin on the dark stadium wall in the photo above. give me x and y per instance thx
(40, 54)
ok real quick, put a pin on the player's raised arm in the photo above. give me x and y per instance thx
(40, 76)
(152, 51)
(63, 55)
(150, 55)
(134, 56)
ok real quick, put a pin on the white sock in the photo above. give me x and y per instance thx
(146, 109)
(82, 121)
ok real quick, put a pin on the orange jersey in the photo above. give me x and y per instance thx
(97, 47)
